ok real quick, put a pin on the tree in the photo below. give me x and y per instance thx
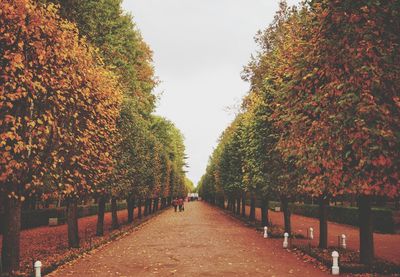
(277, 173)
(52, 114)
(342, 104)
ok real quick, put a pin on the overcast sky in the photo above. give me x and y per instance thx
(200, 48)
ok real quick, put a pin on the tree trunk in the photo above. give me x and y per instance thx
(286, 214)
(252, 208)
(150, 206)
(323, 221)
(72, 221)
(33, 203)
(146, 207)
(140, 208)
(131, 206)
(244, 204)
(264, 212)
(238, 206)
(100, 216)
(10, 252)
(114, 215)
(366, 230)
(155, 206)
(26, 205)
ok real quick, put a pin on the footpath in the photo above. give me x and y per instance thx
(201, 241)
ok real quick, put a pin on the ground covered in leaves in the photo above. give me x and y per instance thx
(386, 245)
(201, 241)
(50, 244)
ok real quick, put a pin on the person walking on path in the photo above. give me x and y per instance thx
(175, 204)
(180, 203)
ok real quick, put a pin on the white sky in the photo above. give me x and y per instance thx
(200, 48)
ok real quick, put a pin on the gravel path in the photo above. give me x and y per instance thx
(202, 241)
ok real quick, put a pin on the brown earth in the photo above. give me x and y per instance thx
(386, 245)
(201, 241)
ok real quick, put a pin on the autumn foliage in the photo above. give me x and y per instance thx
(75, 115)
(322, 115)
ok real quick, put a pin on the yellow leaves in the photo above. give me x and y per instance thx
(65, 91)
(19, 147)
(17, 61)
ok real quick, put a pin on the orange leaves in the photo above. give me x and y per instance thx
(51, 83)
(334, 81)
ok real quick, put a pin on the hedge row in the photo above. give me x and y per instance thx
(383, 218)
(36, 218)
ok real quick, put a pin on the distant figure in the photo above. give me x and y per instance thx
(180, 203)
(175, 204)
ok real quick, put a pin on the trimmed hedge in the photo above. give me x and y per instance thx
(36, 218)
(383, 218)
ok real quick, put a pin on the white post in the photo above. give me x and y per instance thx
(285, 240)
(343, 241)
(335, 264)
(311, 233)
(265, 232)
(38, 268)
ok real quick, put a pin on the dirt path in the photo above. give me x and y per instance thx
(385, 244)
(202, 241)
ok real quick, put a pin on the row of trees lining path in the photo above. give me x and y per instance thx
(76, 115)
(322, 117)
(49, 244)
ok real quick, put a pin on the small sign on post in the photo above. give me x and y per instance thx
(335, 263)
(285, 240)
(38, 269)
(344, 241)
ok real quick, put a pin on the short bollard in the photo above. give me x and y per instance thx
(285, 240)
(38, 269)
(343, 241)
(265, 232)
(335, 264)
(311, 233)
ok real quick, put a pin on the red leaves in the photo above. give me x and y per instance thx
(382, 161)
